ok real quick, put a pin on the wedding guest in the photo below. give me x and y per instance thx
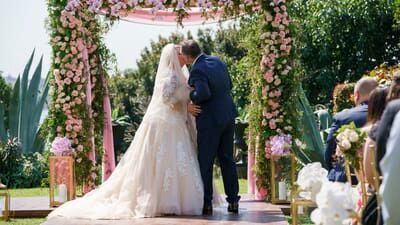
(390, 167)
(358, 115)
(377, 103)
(372, 211)
(393, 106)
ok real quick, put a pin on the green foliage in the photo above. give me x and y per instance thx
(341, 39)
(25, 109)
(19, 170)
(5, 94)
(343, 97)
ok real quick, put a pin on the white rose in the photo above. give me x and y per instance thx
(340, 137)
(353, 137)
(345, 144)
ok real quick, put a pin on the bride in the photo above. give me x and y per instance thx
(159, 173)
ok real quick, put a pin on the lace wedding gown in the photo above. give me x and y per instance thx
(159, 174)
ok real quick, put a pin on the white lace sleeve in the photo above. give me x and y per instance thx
(170, 85)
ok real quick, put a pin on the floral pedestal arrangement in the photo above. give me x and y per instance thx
(283, 167)
(309, 182)
(280, 183)
(62, 172)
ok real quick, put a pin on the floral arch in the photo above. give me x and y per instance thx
(80, 108)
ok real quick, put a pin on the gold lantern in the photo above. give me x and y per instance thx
(297, 202)
(4, 205)
(280, 196)
(62, 180)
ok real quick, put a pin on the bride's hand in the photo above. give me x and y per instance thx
(193, 109)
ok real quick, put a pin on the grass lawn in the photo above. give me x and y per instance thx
(23, 222)
(303, 220)
(29, 192)
(220, 185)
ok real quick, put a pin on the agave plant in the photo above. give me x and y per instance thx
(26, 107)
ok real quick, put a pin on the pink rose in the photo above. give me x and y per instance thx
(75, 93)
(278, 93)
(70, 74)
(74, 51)
(270, 79)
(80, 148)
(68, 127)
(78, 101)
(283, 48)
(76, 128)
(67, 81)
(76, 79)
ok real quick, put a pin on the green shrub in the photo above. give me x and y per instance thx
(18, 170)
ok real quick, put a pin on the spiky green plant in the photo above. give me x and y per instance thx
(26, 107)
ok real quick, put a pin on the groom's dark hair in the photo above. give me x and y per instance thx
(191, 48)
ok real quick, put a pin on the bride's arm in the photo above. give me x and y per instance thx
(169, 87)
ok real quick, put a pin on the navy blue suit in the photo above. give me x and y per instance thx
(215, 124)
(358, 115)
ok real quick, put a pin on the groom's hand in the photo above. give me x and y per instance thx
(193, 109)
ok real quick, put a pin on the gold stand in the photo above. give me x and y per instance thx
(6, 211)
(70, 175)
(296, 202)
(274, 199)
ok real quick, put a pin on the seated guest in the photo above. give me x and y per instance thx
(390, 168)
(376, 105)
(358, 115)
(393, 106)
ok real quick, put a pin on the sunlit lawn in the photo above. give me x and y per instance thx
(220, 185)
(29, 192)
(23, 221)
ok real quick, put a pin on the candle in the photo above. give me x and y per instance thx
(300, 211)
(282, 190)
(62, 193)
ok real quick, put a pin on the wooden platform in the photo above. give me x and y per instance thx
(251, 212)
(29, 207)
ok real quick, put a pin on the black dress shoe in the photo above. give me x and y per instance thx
(233, 207)
(207, 210)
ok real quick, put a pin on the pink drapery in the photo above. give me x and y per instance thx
(251, 182)
(108, 165)
(92, 153)
(168, 17)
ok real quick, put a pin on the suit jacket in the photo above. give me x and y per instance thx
(358, 115)
(384, 128)
(212, 91)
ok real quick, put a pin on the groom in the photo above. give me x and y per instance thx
(212, 85)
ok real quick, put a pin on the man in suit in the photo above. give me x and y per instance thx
(212, 86)
(358, 115)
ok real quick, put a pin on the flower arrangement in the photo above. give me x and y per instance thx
(61, 147)
(336, 204)
(350, 140)
(279, 145)
(310, 180)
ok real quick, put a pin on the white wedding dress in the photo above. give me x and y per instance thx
(159, 174)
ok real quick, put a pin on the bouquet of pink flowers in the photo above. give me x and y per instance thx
(62, 146)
